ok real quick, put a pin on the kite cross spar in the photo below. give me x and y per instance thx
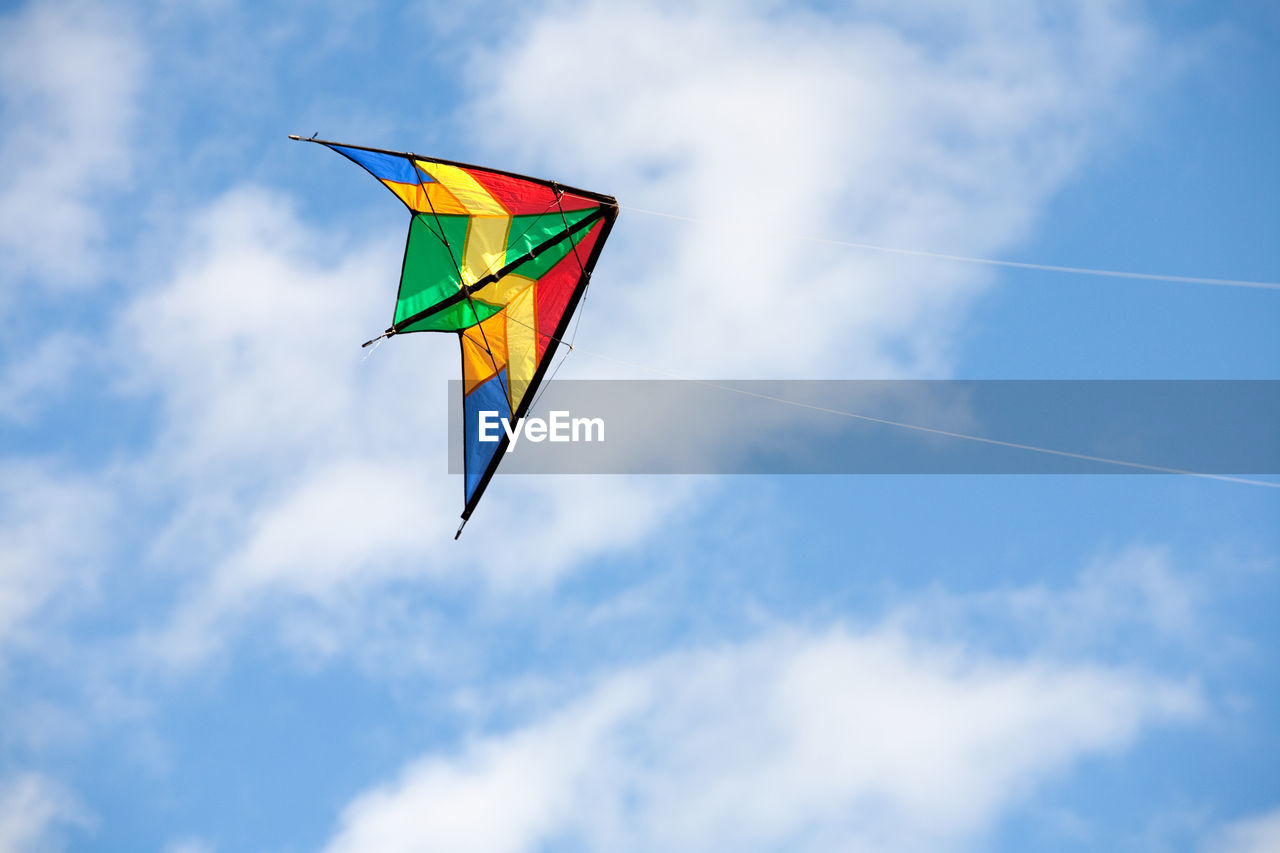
(500, 259)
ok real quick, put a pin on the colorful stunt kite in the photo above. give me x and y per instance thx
(502, 260)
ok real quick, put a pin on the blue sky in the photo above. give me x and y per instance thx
(232, 616)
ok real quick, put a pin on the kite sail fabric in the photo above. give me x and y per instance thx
(498, 258)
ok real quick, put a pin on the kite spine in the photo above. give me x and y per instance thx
(555, 185)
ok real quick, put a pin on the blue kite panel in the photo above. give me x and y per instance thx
(385, 167)
(489, 396)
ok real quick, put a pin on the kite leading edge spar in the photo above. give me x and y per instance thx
(500, 259)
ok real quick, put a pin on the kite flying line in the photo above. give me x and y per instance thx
(1157, 469)
(529, 227)
(969, 259)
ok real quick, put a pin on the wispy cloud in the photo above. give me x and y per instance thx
(70, 74)
(772, 120)
(53, 539)
(940, 126)
(831, 740)
(306, 471)
(31, 379)
(277, 483)
(1253, 834)
(34, 812)
(1121, 601)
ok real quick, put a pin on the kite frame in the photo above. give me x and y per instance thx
(606, 215)
(553, 343)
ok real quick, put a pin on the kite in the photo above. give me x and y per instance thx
(498, 258)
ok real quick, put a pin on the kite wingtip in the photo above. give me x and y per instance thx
(388, 333)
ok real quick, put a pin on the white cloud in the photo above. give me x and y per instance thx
(297, 472)
(31, 379)
(69, 77)
(253, 343)
(1255, 834)
(32, 811)
(941, 126)
(1120, 601)
(304, 470)
(794, 741)
(52, 535)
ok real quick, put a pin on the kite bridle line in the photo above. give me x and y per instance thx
(559, 336)
(569, 231)
(600, 220)
(582, 224)
(465, 288)
(577, 320)
(586, 273)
